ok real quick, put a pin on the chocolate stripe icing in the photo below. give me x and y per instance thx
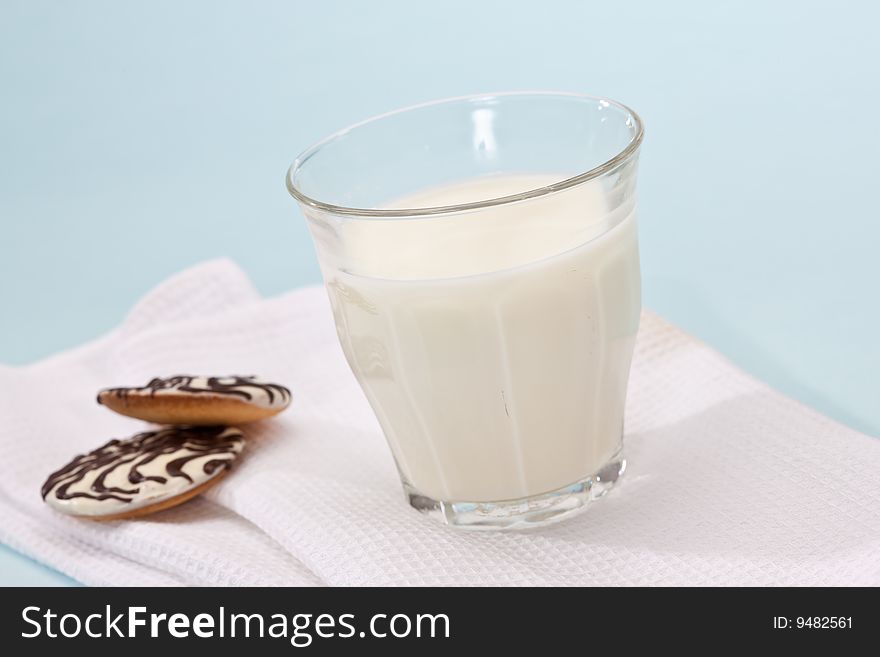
(243, 387)
(143, 461)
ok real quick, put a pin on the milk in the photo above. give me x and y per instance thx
(494, 345)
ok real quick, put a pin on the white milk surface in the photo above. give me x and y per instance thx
(495, 345)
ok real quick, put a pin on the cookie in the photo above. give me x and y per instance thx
(199, 400)
(143, 474)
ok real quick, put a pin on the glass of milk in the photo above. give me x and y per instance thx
(481, 259)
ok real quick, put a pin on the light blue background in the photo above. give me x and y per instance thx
(139, 138)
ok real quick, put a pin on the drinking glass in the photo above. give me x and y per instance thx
(481, 259)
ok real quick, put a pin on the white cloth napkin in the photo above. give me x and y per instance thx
(729, 483)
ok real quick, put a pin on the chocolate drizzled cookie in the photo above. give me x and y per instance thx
(199, 400)
(148, 472)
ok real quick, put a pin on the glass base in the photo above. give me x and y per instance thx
(523, 513)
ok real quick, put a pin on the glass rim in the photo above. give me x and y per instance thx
(608, 165)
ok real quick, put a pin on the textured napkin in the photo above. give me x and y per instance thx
(729, 483)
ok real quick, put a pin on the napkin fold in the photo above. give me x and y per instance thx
(729, 482)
